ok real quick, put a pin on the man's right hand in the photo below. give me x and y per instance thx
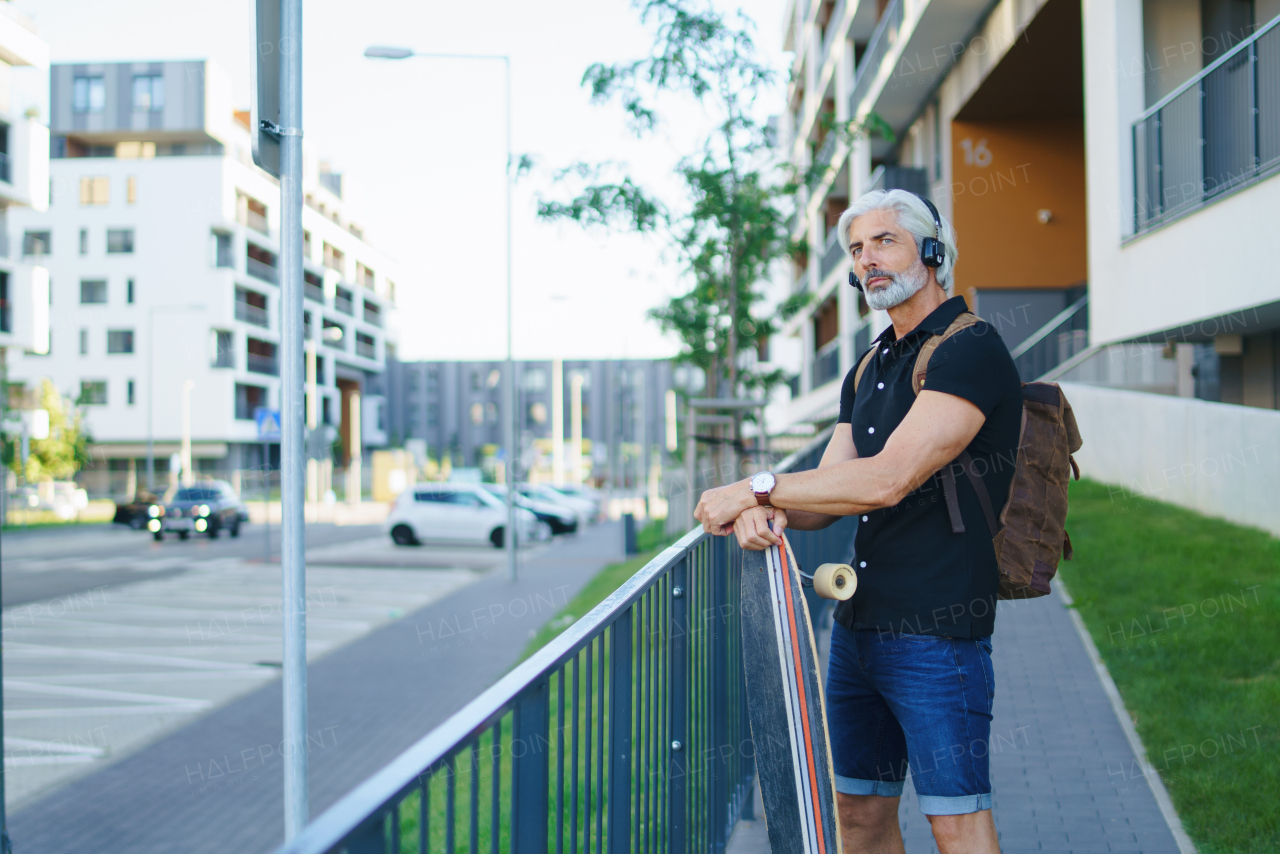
(752, 527)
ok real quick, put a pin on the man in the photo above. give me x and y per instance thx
(909, 680)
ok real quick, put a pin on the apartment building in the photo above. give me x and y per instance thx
(1108, 166)
(162, 245)
(456, 411)
(24, 184)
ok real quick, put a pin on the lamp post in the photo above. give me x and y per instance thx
(509, 425)
(151, 385)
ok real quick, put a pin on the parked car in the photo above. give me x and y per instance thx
(558, 518)
(584, 508)
(137, 512)
(457, 512)
(61, 497)
(585, 493)
(207, 508)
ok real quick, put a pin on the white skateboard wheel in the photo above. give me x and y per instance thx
(835, 581)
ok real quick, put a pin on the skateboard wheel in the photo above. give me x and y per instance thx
(835, 581)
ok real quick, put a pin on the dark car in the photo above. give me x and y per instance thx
(137, 513)
(561, 520)
(206, 508)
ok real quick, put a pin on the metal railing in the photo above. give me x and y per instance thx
(6, 167)
(628, 732)
(826, 364)
(259, 364)
(261, 270)
(252, 314)
(833, 255)
(343, 304)
(256, 221)
(1217, 132)
(1054, 343)
(372, 314)
(368, 349)
(313, 292)
(882, 40)
(822, 160)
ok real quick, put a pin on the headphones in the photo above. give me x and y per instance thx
(932, 250)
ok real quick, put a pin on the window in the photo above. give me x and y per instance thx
(222, 250)
(131, 189)
(93, 291)
(249, 398)
(95, 190)
(364, 276)
(306, 245)
(260, 357)
(391, 291)
(128, 292)
(534, 379)
(119, 241)
(93, 393)
(88, 95)
(372, 313)
(148, 92)
(252, 213)
(37, 243)
(129, 392)
(84, 342)
(223, 355)
(84, 241)
(6, 310)
(119, 340)
(334, 258)
(366, 346)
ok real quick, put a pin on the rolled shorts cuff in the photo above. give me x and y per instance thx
(882, 788)
(962, 805)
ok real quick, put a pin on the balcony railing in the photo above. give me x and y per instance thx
(822, 159)
(372, 314)
(826, 364)
(252, 314)
(257, 222)
(344, 305)
(368, 349)
(6, 168)
(259, 364)
(882, 40)
(1215, 133)
(312, 291)
(636, 715)
(833, 256)
(1052, 344)
(261, 270)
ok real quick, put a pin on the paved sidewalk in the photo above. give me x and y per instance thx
(1064, 777)
(216, 785)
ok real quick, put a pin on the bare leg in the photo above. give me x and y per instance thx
(869, 824)
(972, 833)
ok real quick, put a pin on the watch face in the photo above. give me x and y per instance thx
(762, 482)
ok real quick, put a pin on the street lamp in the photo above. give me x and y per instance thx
(508, 427)
(151, 385)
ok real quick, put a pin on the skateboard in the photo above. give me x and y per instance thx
(785, 700)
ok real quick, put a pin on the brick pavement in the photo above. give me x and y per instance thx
(1064, 777)
(216, 785)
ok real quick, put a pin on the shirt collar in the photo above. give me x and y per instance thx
(935, 324)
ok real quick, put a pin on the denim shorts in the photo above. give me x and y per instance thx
(924, 701)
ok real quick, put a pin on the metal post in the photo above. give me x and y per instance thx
(509, 427)
(718, 806)
(620, 734)
(293, 422)
(151, 404)
(530, 786)
(678, 667)
(266, 502)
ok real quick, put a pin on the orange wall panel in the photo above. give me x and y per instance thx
(1004, 173)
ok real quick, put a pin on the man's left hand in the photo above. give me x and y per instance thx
(719, 508)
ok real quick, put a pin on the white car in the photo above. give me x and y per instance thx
(585, 509)
(454, 512)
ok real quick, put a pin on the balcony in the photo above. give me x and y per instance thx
(256, 221)
(313, 287)
(261, 270)
(1211, 136)
(826, 364)
(6, 168)
(252, 314)
(366, 346)
(342, 301)
(833, 256)
(372, 314)
(259, 364)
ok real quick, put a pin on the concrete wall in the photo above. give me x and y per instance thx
(1214, 458)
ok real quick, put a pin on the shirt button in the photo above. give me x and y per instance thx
(879, 385)
(864, 518)
(863, 565)
(871, 429)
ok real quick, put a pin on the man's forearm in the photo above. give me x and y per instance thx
(801, 520)
(844, 489)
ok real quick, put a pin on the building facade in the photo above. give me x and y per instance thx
(162, 245)
(1069, 241)
(456, 411)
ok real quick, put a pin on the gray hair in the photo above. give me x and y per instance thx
(913, 215)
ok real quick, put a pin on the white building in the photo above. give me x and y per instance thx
(161, 242)
(1110, 170)
(24, 183)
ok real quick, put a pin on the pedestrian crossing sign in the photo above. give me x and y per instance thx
(268, 424)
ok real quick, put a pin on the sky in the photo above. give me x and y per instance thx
(420, 143)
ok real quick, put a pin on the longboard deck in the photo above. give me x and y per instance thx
(786, 706)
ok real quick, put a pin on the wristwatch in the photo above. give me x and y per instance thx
(762, 484)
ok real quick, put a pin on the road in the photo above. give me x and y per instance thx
(113, 640)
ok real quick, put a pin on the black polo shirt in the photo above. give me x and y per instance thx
(914, 575)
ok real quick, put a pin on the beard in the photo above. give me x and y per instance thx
(901, 287)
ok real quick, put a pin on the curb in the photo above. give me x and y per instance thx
(1185, 845)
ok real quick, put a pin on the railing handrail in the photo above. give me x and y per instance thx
(1044, 331)
(894, 9)
(402, 773)
(1204, 72)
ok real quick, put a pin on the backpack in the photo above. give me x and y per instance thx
(1030, 533)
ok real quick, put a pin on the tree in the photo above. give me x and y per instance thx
(61, 455)
(732, 223)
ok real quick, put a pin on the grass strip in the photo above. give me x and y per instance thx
(1183, 609)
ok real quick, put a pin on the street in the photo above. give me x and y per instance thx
(113, 640)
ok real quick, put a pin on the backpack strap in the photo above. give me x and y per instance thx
(963, 321)
(862, 367)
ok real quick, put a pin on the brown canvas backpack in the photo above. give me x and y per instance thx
(1030, 533)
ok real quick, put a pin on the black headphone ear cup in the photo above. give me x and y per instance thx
(931, 252)
(853, 280)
